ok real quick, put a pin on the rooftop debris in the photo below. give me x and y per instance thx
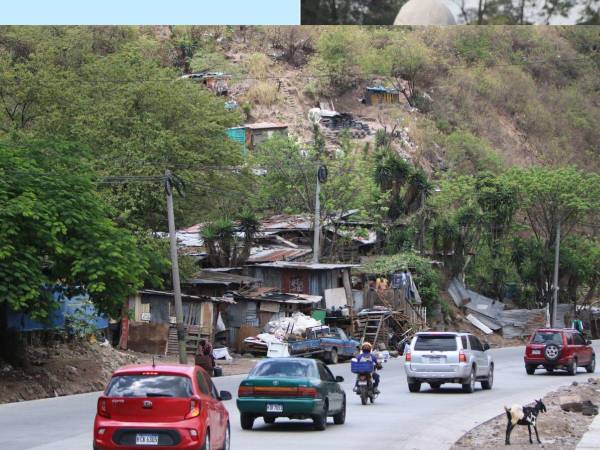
(306, 265)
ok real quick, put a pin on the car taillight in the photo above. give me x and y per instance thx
(462, 357)
(307, 392)
(103, 407)
(246, 391)
(407, 357)
(194, 409)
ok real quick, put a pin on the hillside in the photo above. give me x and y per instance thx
(529, 96)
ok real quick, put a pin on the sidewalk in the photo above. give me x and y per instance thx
(591, 439)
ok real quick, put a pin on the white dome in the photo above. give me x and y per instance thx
(429, 12)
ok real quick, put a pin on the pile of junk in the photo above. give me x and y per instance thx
(281, 330)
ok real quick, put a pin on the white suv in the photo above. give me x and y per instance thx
(447, 357)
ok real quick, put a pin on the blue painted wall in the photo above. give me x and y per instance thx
(67, 306)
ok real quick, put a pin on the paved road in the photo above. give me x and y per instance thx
(398, 420)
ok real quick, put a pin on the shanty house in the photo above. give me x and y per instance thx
(216, 82)
(257, 133)
(302, 278)
(150, 323)
(378, 95)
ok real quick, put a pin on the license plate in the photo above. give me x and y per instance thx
(274, 408)
(362, 383)
(536, 352)
(146, 439)
(434, 360)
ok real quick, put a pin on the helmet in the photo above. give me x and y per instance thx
(366, 347)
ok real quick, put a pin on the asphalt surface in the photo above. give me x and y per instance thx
(397, 420)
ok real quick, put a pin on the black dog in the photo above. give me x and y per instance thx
(524, 415)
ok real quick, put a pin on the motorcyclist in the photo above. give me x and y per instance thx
(366, 355)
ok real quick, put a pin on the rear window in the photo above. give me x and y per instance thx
(285, 369)
(150, 386)
(547, 337)
(438, 343)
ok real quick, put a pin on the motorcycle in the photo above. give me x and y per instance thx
(364, 379)
(364, 387)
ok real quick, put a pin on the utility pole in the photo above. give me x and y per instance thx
(317, 234)
(175, 269)
(555, 283)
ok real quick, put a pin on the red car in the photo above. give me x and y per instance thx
(559, 349)
(166, 406)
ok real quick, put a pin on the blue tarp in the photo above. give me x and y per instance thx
(78, 305)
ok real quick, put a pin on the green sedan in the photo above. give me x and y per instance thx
(296, 388)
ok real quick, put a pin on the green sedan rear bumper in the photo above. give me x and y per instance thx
(291, 407)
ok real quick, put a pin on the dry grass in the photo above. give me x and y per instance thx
(263, 93)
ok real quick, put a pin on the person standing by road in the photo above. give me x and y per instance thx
(204, 356)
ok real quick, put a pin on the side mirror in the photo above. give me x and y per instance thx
(339, 379)
(225, 395)
(486, 347)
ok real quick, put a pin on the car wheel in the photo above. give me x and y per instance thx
(552, 352)
(246, 421)
(340, 418)
(572, 368)
(414, 387)
(469, 386)
(591, 367)
(206, 445)
(530, 369)
(227, 438)
(269, 420)
(332, 357)
(487, 384)
(320, 421)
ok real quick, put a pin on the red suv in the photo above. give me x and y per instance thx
(169, 406)
(559, 349)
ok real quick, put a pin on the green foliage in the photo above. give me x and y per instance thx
(469, 154)
(123, 107)
(338, 59)
(225, 248)
(55, 229)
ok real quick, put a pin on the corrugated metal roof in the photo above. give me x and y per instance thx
(267, 294)
(265, 125)
(187, 296)
(287, 222)
(223, 278)
(271, 254)
(306, 265)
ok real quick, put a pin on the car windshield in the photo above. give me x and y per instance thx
(285, 369)
(150, 386)
(436, 342)
(547, 337)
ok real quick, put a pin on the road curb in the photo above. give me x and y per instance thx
(591, 438)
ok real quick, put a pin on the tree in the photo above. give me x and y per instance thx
(337, 58)
(225, 247)
(344, 12)
(548, 197)
(136, 116)
(54, 229)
